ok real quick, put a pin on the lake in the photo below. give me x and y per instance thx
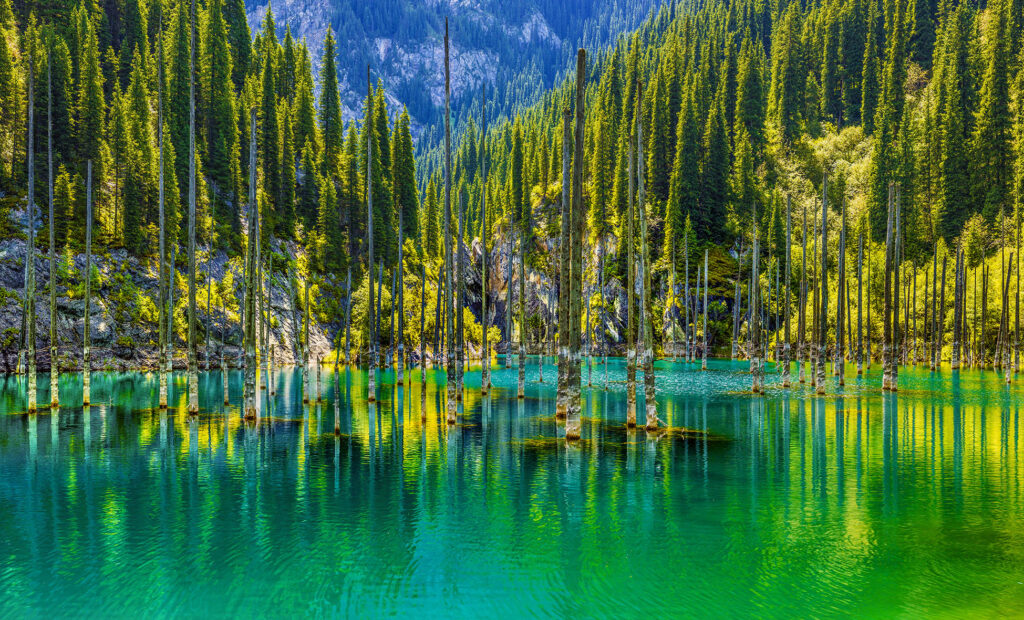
(856, 503)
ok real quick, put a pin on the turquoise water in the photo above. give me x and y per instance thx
(786, 505)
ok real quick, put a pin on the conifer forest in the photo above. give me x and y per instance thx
(679, 279)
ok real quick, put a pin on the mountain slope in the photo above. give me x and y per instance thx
(516, 48)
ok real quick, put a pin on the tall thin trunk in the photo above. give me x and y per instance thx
(348, 312)
(170, 306)
(562, 398)
(460, 280)
(305, 344)
(941, 316)
(86, 319)
(860, 305)
(644, 274)
(1006, 322)
(954, 360)
(913, 314)
(391, 320)
(508, 286)
(54, 362)
(630, 293)
(450, 357)
(572, 423)
(193, 364)
(249, 408)
(842, 308)
(823, 275)
(704, 349)
(162, 272)
(887, 300)
(932, 353)
(371, 381)
(485, 351)
(789, 269)
(802, 318)
(30, 243)
(400, 362)
(898, 259)
(755, 315)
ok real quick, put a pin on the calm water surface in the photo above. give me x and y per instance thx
(853, 504)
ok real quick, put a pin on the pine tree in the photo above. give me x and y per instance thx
(330, 108)
(430, 219)
(221, 128)
(991, 161)
(714, 175)
(270, 152)
(404, 176)
(787, 75)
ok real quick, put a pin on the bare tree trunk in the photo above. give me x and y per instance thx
(630, 294)
(371, 381)
(305, 344)
(704, 349)
(802, 319)
(1008, 367)
(522, 234)
(755, 315)
(460, 341)
(249, 407)
(54, 361)
(887, 301)
(400, 362)
(842, 308)
(163, 271)
(485, 351)
(348, 313)
(941, 316)
(193, 363)
(562, 399)
(860, 305)
(448, 263)
(823, 311)
(572, 422)
(30, 243)
(171, 282)
(898, 254)
(87, 321)
(954, 360)
(789, 269)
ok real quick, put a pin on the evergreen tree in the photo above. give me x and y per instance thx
(404, 176)
(992, 160)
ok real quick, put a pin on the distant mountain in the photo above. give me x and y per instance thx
(516, 47)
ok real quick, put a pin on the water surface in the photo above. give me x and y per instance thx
(782, 505)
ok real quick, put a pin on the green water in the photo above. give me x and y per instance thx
(786, 505)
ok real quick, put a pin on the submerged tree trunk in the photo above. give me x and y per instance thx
(523, 231)
(305, 344)
(941, 316)
(400, 362)
(163, 271)
(249, 409)
(802, 319)
(789, 269)
(562, 398)
(754, 298)
(460, 280)
(823, 276)
(449, 310)
(842, 308)
(54, 362)
(86, 322)
(572, 422)
(193, 364)
(704, 349)
(485, 351)
(954, 360)
(630, 295)
(860, 299)
(30, 243)
(898, 259)
(371, 381)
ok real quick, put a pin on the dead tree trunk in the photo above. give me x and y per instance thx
(562, 398)
(448, 300)
(86, 323)
(249, 328)
(54, 362)
(823, 275)
(572, 422)
(193, 362)
(485, 351)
